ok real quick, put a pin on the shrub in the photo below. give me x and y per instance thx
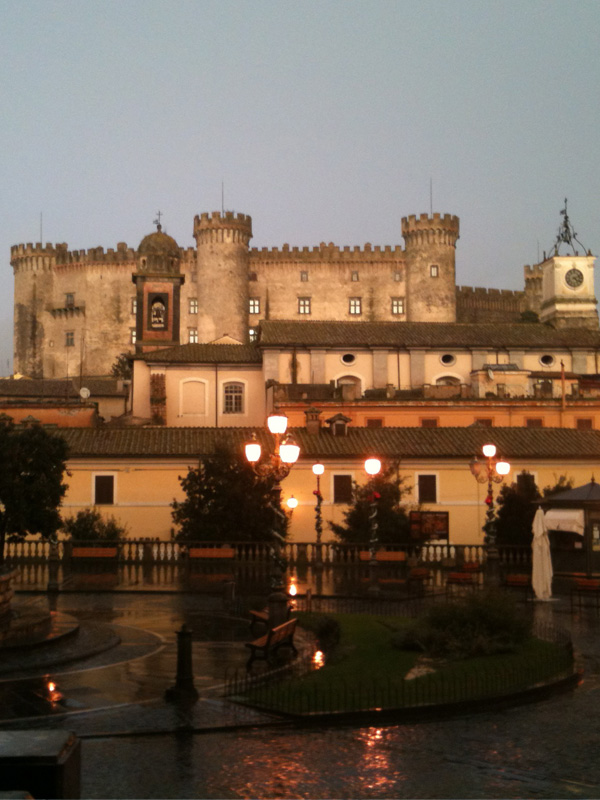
(90, 526)
(482, 624)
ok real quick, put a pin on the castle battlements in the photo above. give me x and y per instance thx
(327, 252)
(226, 227)
(425, 222)
(480, 291)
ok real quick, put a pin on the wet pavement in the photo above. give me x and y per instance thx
(136, 745)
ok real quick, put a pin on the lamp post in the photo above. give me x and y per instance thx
(318, 469)
(493, 471)
(285, 454)
(372, 468)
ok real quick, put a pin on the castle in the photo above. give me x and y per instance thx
(77, 311)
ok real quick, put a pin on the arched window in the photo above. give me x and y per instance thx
(233, 398)
(447, 380)
(193, 398)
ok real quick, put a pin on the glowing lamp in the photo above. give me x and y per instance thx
(489, 450)
(318, 469)
(292, 503)
(253, 450)
(502, 467)
(277, 423)
(289, 451)
(372, 466)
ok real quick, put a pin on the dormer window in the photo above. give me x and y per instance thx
(338, 424)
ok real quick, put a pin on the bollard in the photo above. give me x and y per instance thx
(184, 689)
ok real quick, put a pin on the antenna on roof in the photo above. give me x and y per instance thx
(222, 197)
(41, 237)
(431, 197)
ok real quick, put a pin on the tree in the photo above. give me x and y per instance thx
(32, 465)
(122, 366)
(517, 507)
(393, 525)
(90, 526)
(226, 501)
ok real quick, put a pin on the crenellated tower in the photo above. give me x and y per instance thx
(223, 258)
(430, 267)
(33, 268)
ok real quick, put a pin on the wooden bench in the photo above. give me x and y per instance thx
(212, 552)
(585, 587)
(94, 552)
(418, 579)
(521, 582)
(267, 646)
(262, 618)
(466, 580)
(398, 556)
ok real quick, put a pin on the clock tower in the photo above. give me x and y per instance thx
(568, 299)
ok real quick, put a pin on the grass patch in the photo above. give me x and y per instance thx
(366, 670)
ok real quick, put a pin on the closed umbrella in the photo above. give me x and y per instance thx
(541, 575)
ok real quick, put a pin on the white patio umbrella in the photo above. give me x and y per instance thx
(541, 574)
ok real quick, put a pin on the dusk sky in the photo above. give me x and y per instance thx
(325, 121)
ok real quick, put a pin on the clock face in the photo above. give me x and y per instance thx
(574, 277)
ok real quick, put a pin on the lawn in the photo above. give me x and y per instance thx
(365, 671)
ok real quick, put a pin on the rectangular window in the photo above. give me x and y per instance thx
(434, 270)
(69, 300)
(397, 276)
(427, 488)
(104, 490)
(485, 422)
(304, 276)
(342, 488)
(193, 336)
(355, 305)
(193, 305)
(374, 422)
(304, 305)
(70, 339)
(253, 334)
(397, 305)
(585, 424)
(132, 335)
(354, 276)
(254, 305)
(534, 422)
(134, 305)
(194, 277)
(429, 422)
(233, 398)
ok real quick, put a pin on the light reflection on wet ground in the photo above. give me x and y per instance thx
(546, 750)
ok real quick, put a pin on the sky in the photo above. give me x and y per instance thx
(325, 120)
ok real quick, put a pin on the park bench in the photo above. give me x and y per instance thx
(262, 618)
(398, 556)
(94, 552)
(519, 582)
(585, 587)
(464, 580)
(267, 646)
(418, 579)
(212, 553)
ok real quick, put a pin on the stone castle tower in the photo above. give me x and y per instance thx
(223, 264)
(430, 267)
(77, 311)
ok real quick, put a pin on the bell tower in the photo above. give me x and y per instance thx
(158, 283)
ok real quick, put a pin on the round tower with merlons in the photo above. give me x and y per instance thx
(223, 259)
(430, 248)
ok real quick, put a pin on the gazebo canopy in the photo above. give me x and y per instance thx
(586, 496)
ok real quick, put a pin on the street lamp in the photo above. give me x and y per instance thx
(280, 461)
(372, 468)
(493, 471)
(318, 469)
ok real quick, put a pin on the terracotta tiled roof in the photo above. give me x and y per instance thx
(464, 443)
(280, 333)
(205, 354)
